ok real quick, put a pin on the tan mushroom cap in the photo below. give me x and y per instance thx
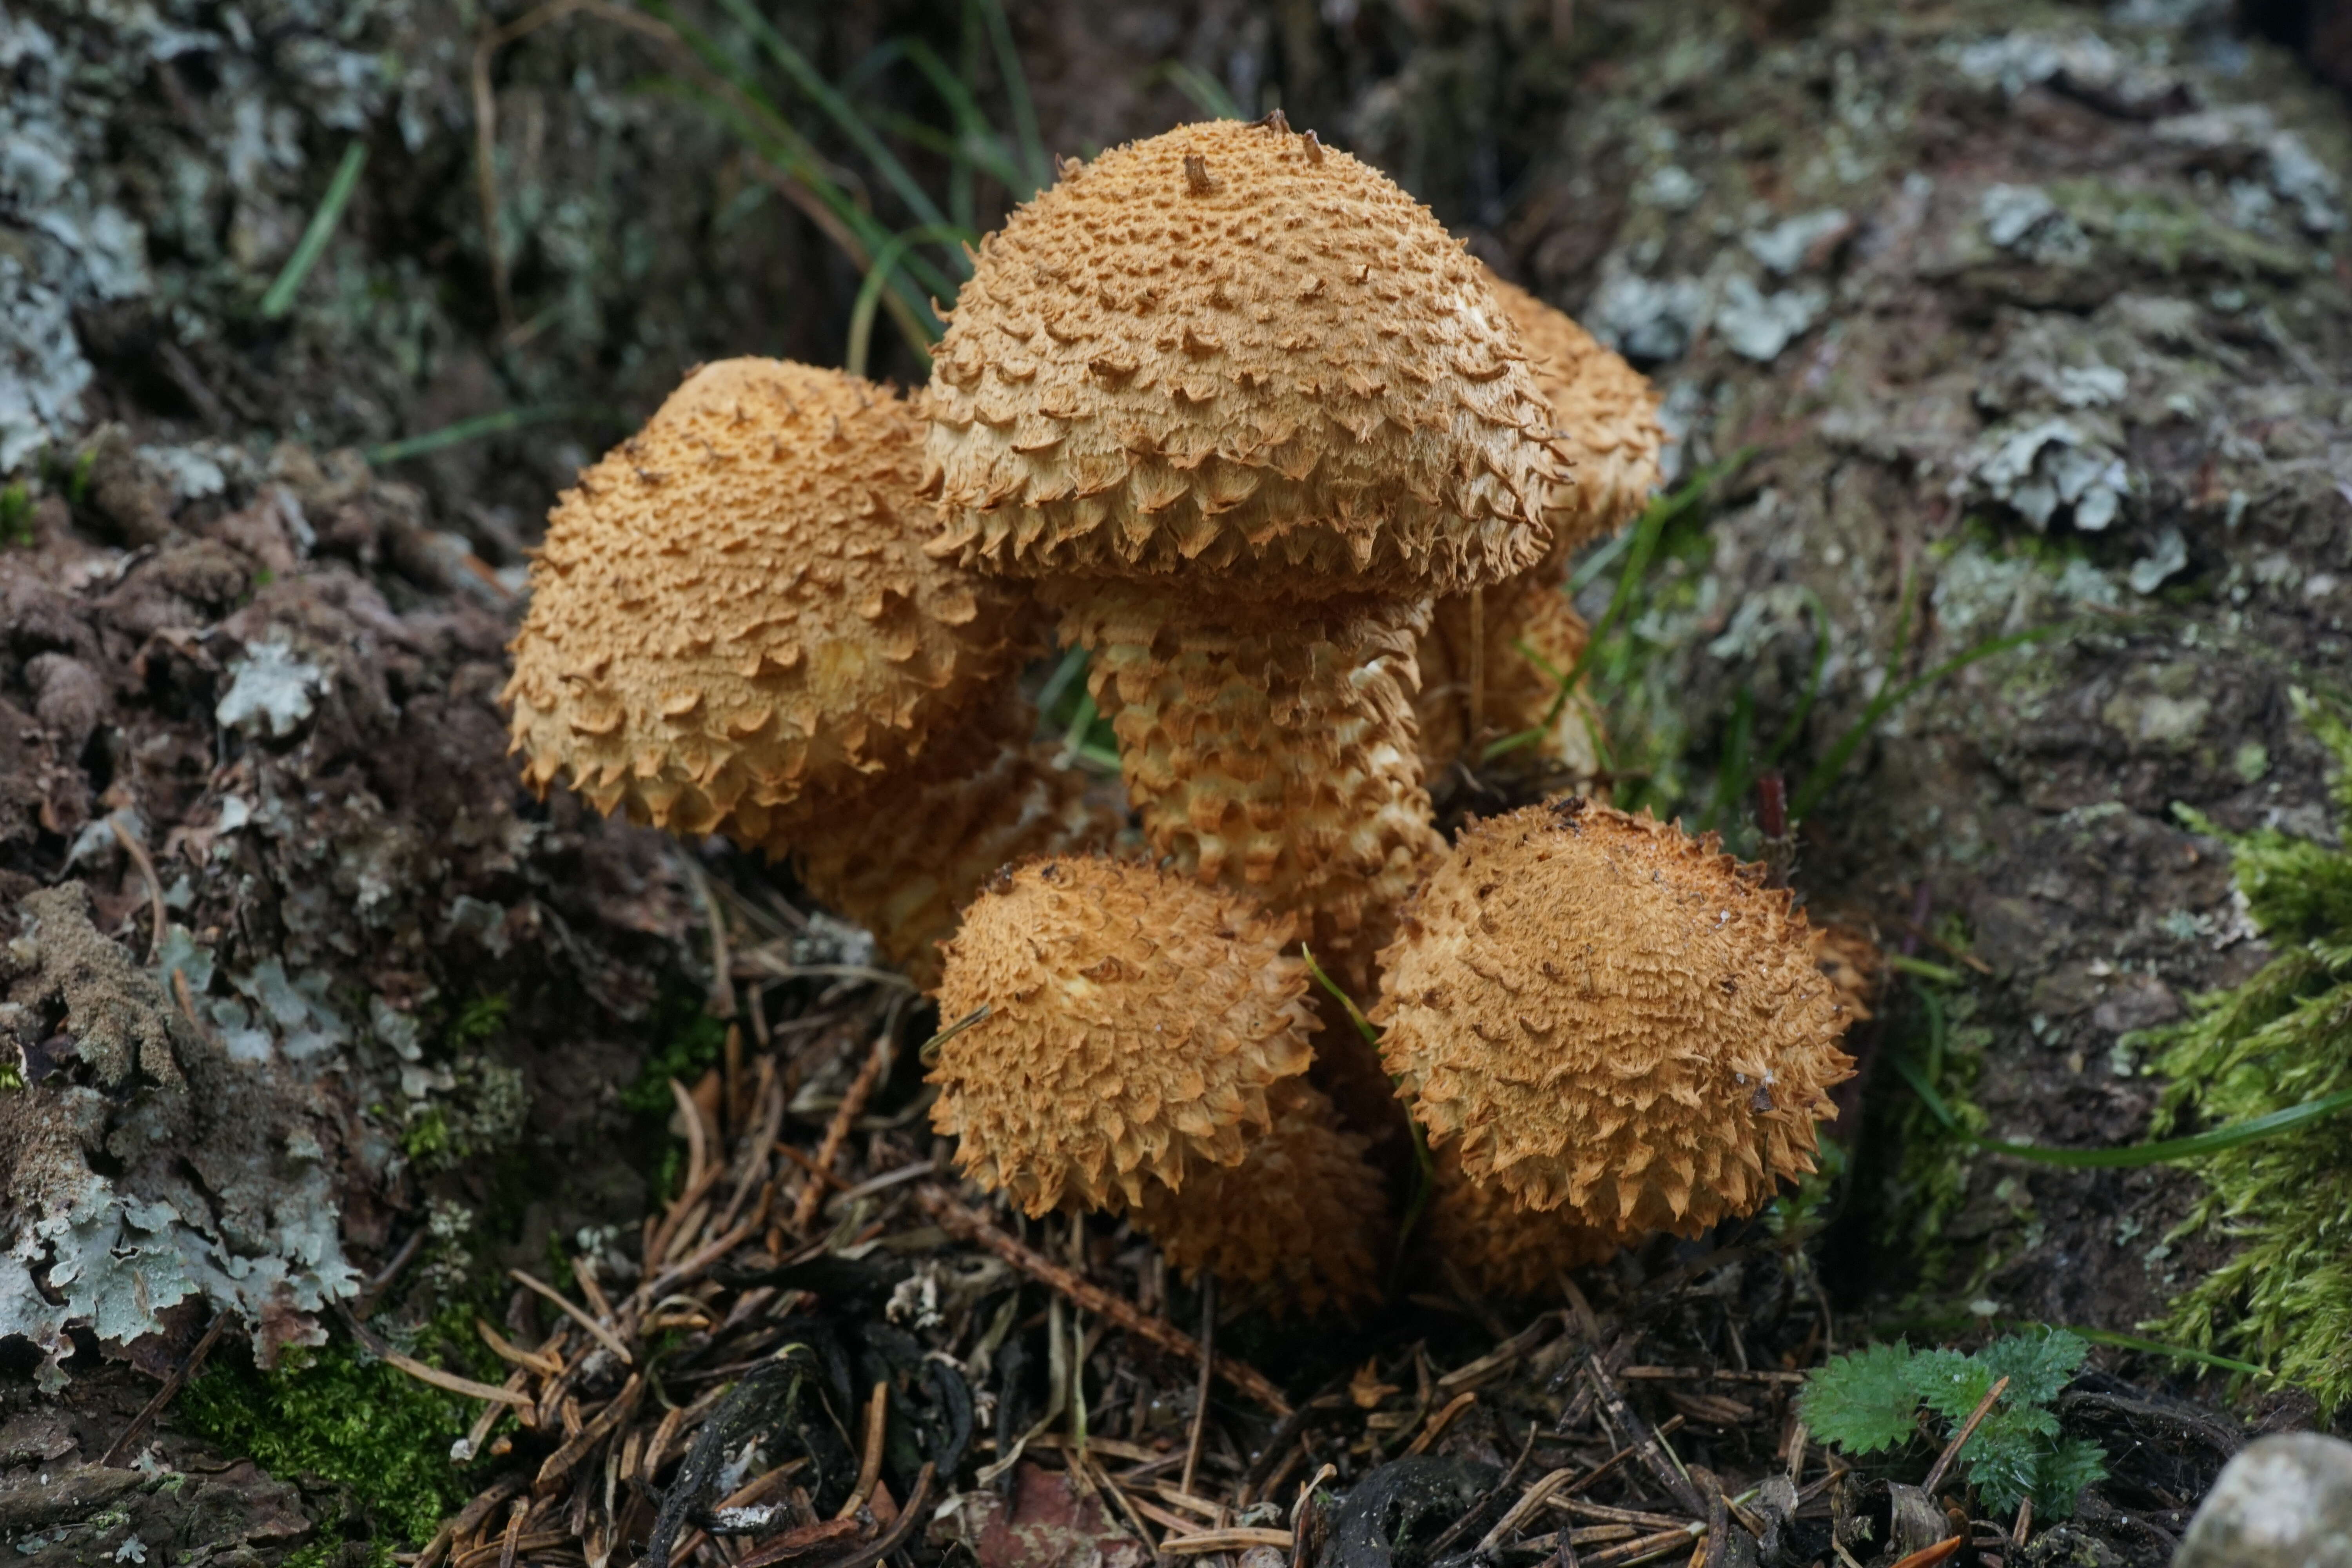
(734, 608)
(1517, 692)
(1227, 352)
(1297, 1221)
(1136, 1021)
(1613, 1019)
(1606, 413)
(1501, 1245)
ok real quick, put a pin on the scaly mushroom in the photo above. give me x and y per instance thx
(735, 629)
(1136, 1021)
(1295, 1221)
(1613, 1019)
(1502, 1246)
(1240, 406)
(1605, 415)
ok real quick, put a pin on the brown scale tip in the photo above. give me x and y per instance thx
(1606, 413)
(1228, 352)
(1612, 1019)
(734, 608)
(1501, 1245)
(1136, 1021)
(1296, 1222)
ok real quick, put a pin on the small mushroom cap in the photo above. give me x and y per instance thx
(1614, 1018)
(1527, 613)
(1298, 1219)
(1229, 353)
(1136, 1020)
(1501, 1245)
(923, 840)
(1606, 413)
(735, 608)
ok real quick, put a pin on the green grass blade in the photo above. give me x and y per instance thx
(1904, 963)
(1662, 510)
(774, 140)
(1736, 768)
(1826, 772)
(1207, 93)
(313, 243)
(1016, 94)
(1355, 1013)
(976, 140)
(1918, 1078)
(474, 429)
(837, 109)
(2235, 1135)
(2176, 1353)
(877, 278)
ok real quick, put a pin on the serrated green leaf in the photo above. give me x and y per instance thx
(2038, 1364)
(1865, 1401)
(1952, 1384)
(2069, 1466)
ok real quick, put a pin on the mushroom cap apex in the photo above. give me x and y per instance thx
(1229, 354)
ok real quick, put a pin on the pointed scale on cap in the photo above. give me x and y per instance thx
(734, 608)
(1136, 1021)
(1613, 1019)
(1226, 353)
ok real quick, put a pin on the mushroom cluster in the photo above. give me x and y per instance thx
(1239, 407)
(1238, 416)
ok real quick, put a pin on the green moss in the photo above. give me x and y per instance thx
(344, 1420)
(688, 1042)
(2170, 234)
(15, 515)
(482, 1019)
(2284, 1038)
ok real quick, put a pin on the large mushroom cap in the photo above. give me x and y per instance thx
(1296, 1219)
(1136, 1021)
(1606, 415)
(734, 608)
(1612, 1019)
(1227, 351)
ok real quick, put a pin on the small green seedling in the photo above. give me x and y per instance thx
(1872, 1401)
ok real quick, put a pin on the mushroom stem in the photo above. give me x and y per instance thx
(1269, 746)
(1467, 641)
(909, 853)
